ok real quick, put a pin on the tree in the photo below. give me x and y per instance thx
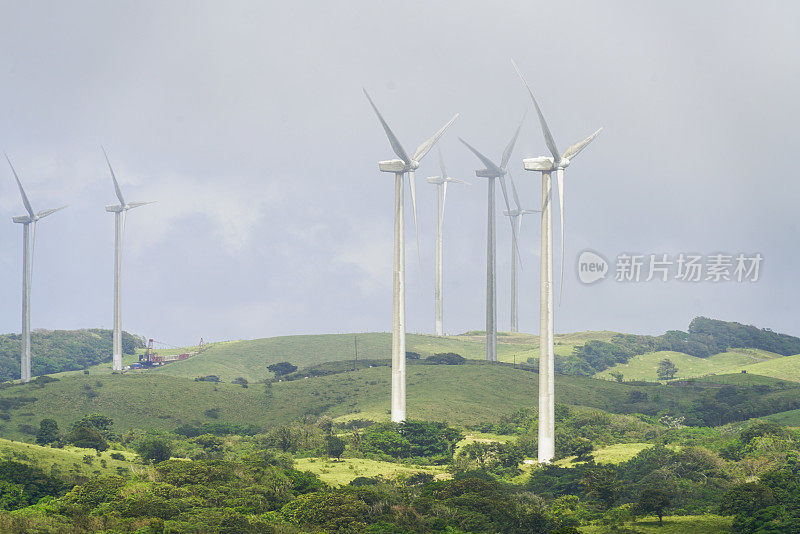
(282, 368)
(87, 437)
(48, 433)
(746, 498)
(334, 446)
(601, 483)
(154, 448)
(653, 501)
(616, 376)
(666, 369)
(242, 381)
(99, 422)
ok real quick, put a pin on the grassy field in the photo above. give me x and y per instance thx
(786, 368)
(69, 460)
(696, 524)
(643, 367)
(612, 454)
(341, 472)
(460, 394)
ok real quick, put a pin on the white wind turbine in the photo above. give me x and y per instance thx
(119, 212)
(546, 165)
(28, 244)
(491, 172)
(441, 196)
(406, 164)
(516, 220)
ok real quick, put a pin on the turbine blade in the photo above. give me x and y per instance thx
(425, 147)
(510, 146)
(413, 187)
(44, 213)
(25, 200)
(458, 181)
(574, 150)
(560, 175)
(396, 146)
(548, 137)
(132, 205)
(486, 161)
(508, 207)
(441, 163)
(514, 190)
(117, 190)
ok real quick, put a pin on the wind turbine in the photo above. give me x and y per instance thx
(516, 220)
(441, 196)
(491, 172)
(28, 244)
(406, 164)
(546, 165)
(120, 211)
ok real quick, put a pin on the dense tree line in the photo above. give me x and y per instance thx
(61, 350)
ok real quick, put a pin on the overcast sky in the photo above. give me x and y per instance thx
(246, 122)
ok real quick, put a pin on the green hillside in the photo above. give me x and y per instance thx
(68, 460)
(461, 394)
(249, 359)
(643, 367)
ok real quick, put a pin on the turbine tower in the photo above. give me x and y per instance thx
(516, 220)
(441, 196)
(28, 244)
(546, 165)
(493, 171)
(120, 212)
(406, 164)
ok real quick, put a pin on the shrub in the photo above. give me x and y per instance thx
(446, 358)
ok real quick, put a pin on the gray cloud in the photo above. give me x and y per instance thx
(247, 123)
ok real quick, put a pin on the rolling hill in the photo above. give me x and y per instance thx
(643, 367)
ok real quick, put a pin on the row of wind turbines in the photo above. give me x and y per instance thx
(546, 165)
(29, 222)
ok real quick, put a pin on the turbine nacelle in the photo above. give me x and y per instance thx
(396, 165)
(541, 164)
(26, 219)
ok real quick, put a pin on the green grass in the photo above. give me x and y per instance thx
(643, 367)
(790, 418)
(341, 472)
(786, 368)
(696, 524)
(68, 460)
(612, 454)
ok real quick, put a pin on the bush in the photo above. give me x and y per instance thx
(154, 448)
(446, 358)
(117, 456)
(282, 368)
